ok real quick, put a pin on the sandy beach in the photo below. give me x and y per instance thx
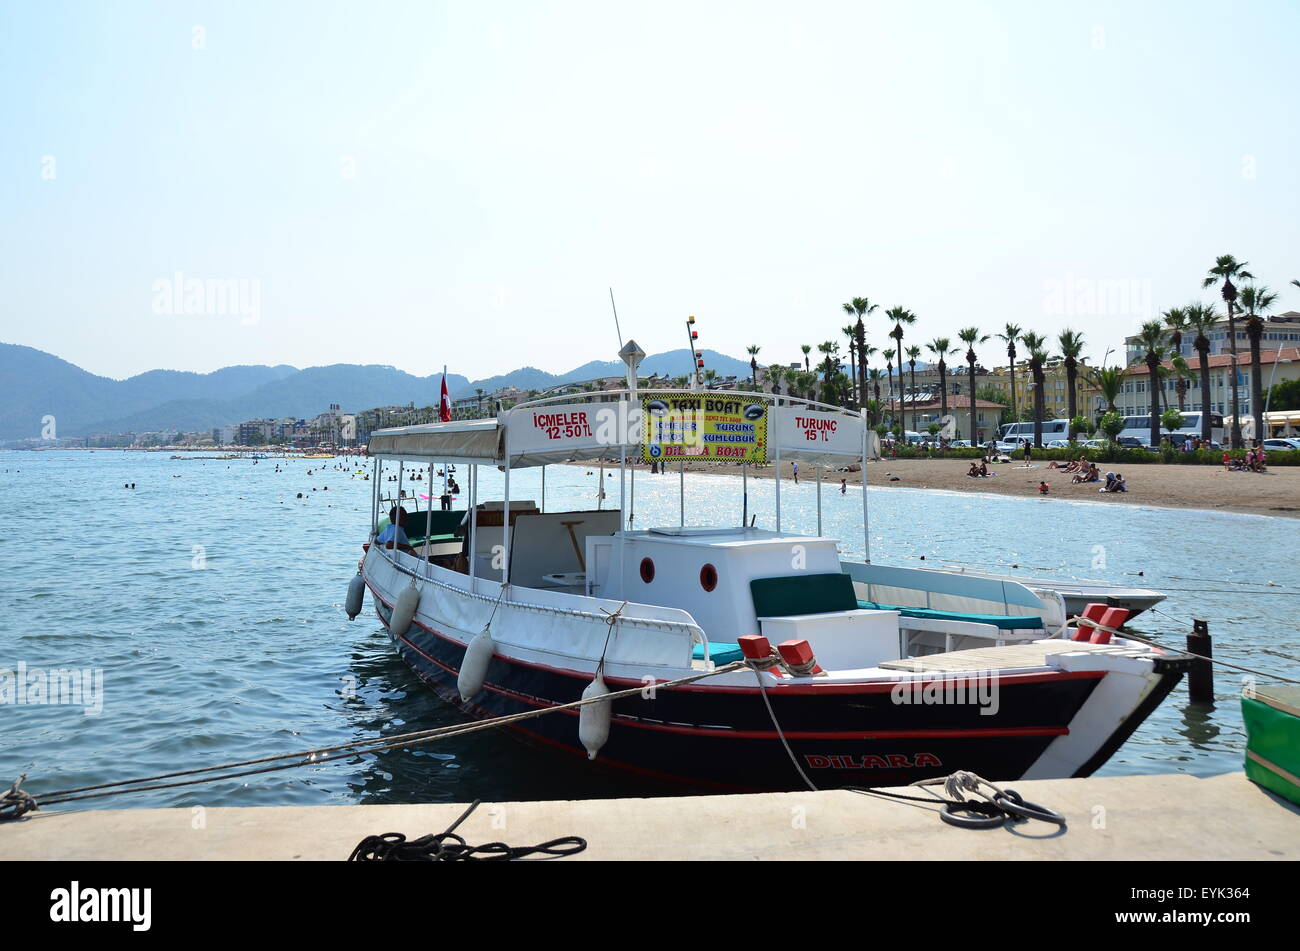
(1275, 492)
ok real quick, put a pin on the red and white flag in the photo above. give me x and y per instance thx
(444, 405)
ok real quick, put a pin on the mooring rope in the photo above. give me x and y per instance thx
(1167, 647)
(17, 802)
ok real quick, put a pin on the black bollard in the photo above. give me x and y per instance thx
(1200, 679)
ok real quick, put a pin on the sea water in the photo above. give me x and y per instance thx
(208, 600)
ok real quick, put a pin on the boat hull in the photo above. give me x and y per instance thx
(723, 738)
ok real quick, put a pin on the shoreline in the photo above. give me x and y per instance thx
(1275, 493)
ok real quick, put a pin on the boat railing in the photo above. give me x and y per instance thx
(696, 634)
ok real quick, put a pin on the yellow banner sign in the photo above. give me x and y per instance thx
(704, 427)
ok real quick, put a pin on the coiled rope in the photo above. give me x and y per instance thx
(17, 802)
(449, 847)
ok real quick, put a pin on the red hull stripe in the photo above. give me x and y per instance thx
(729, 734)
(1004, 680)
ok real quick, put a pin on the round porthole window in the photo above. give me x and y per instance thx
(708, 577)
(647, 570)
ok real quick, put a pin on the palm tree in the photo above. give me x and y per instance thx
(825, 366)
(1036, 344)
(889, 369)
(862, 308)
(1256, 300)
(753, 363)
(942, 347)
(912, 353)
(479, 393)
(1176, 320)
(1182, 373)
(1226, 267)
(1152, 339)
(1010, 336)
(1202, 320)
(807, 349)
(874, 377)
(1071, 344)
(1109, 382)
(900, 316)
(971, 336)
(853, 364)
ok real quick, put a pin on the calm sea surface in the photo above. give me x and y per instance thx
(210, 596)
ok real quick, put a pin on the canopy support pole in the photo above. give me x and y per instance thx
(473, 520)
(744, 494)
(681, 493)
(505, 518)
(819, 501)
(866, 535)
(778, 485)
(428, 520)
(374, 501)
(543, 488)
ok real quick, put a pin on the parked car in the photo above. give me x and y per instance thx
(1058, 444)
(1283, 444)
(1094, 444)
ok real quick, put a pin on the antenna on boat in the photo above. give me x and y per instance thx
(616, 327)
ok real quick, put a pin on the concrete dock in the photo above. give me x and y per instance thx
(1145, 818)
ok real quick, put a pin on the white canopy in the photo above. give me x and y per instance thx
(545, 435)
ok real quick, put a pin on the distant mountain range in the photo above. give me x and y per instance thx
(35, 384)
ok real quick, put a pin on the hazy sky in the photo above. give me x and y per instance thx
(461, 183)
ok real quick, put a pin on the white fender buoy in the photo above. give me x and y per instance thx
(356, 596)
(404, 610)
(593, 719)
(474, 668)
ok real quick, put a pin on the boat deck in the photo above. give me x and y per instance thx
(1034, 654)
(1169, 816)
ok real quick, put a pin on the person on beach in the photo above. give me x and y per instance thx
(984, 470)
(974, 472)
(844, 486)
(1029, 451)
(796, 473)
(1120, 485)
(1043, 488)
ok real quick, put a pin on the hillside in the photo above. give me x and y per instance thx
(35, 384)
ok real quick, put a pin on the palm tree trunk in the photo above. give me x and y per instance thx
(1071, 379)
(1256, 381)
(943, 387)
(1015, 416)
(1236, 404)
(1152, 366)
(970, 362)
(1205, 391)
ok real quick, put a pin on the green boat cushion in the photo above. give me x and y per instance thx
(720, 652)
(823, 594)
(803, 594)
(1274, 736)
(1004, 622)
